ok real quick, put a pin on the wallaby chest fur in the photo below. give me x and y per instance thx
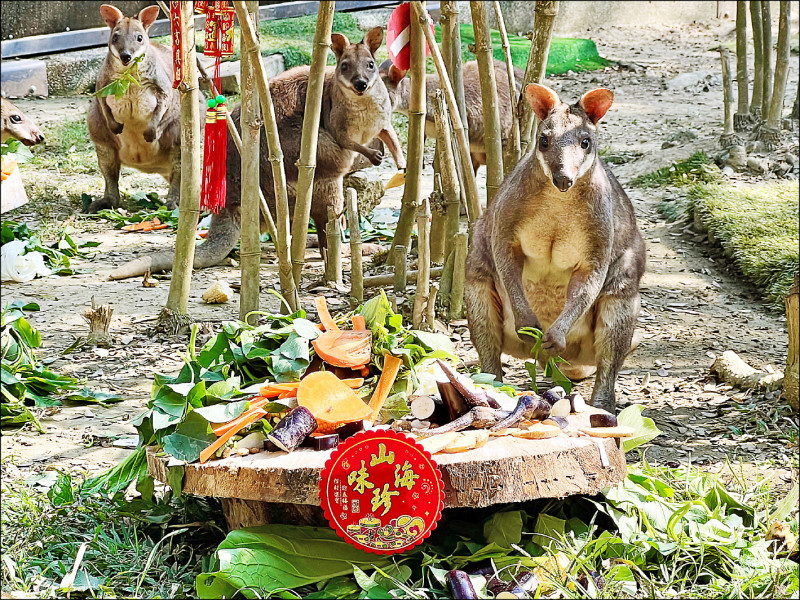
(558, 249)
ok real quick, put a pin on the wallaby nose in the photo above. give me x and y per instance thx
(360, 84)
(125, 57)
(562, 182)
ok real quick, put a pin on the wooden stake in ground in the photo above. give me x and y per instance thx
(250, 45)
(307, 163)
(250, 251)
(468, 176)
(333, 264)
(421, 296)
(99, 320)
(459, 273)
(758, 61)
(546, 11)
(416, 137)
(400, 267)
(493, 139)
(741, 120)
(766, 52)
(356, 269)
(791, 376)
(447, 167)
(512, 154)
(178, 298)
(728, 137)
(771, 132)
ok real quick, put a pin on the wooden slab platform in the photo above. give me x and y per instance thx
(506, 469)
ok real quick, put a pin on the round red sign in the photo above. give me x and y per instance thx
(398, 36)
(382, 492)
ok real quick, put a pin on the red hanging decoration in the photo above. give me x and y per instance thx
(176, 25)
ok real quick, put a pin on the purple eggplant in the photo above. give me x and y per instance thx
(461, 585)
(292, 429)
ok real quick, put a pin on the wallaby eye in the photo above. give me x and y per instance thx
(585, 143)
(344, 67)
(371, 65)
(543, 143)
(16, 119)
(114, 37)
(138, 38)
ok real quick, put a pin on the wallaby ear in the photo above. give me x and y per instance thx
(373, 39)
(148, 16)
(596, 103)
(395, 74)
(338, 43)
(541, 99)
(111, 15)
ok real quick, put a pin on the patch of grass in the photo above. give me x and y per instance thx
(757, 227)
(129, 553)
(698, 168)
(67, 149)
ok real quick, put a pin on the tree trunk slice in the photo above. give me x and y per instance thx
(506, 469)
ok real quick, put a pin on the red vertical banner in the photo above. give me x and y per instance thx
(176, 26)
(225, 18)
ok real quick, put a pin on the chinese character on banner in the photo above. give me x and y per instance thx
(383, 508)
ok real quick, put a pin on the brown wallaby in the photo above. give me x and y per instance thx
(16, 124)
(142, 128)
(472, 100)
(558, 249)
(356, 109)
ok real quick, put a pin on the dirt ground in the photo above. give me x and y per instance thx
(694, 306)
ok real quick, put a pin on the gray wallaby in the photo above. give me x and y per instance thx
(472, 100)
(142, 128)
(356, 109)
(16, 124)
(558, 249)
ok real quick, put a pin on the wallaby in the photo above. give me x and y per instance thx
(558, 249)
(16, 124)
(356, 109)
(472, 100)
(142, 128)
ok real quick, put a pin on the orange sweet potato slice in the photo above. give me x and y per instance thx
(330, 400)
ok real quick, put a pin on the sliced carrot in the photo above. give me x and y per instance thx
(364, 371)
(288, 394)
(223, 439)
(359, 323)
(331, 401)
(391, 367)
(222, 428)
(324, 315)
(345, 348)
(268, 389)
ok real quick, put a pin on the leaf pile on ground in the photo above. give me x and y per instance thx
(56, 253)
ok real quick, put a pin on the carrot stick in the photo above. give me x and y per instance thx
(221, 428)
(391, 367)
(224, 438)
(324, 315)
(268, 389)
(288, 394)
(359, 323)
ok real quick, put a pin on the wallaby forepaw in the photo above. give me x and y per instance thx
(376, 158)
(554, 342)
(149, 135)
(116, 128)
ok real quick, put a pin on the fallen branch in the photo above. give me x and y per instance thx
(731, 369)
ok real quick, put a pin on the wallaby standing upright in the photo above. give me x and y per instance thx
(16, 124)
(558, 249)
(356, 109)
(142, 128)
(472, 100)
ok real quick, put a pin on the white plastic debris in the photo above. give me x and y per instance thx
(20, 267)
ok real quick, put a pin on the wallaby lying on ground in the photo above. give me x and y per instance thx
(16, 124)
(472, 100)
(558, 249)
(355, 109)
(141, 129)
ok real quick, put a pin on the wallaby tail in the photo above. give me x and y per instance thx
(222, 237)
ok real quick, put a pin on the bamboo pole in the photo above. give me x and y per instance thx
(356, 269)
(389, 279)
(492, 135)
(770, 133)
(307, 163)
(449, 176)
(468, 176)
(430, 309)
(250, 250)
(421, 296)
(416, 138)
(758, 60)
(400, 269)
(237, 141)
(446, 282)
(459, 274)
(791, 374)
(741, 120)
(728, 137)
(438, 218)
(180, 284)
(288, 288)
(512, 153)
(796, 108)
(546, 11)
(333, 265)
(766, 51)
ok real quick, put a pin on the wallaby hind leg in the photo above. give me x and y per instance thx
(616, 319)
(109, 162)
(174, 195)
(485, 318)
